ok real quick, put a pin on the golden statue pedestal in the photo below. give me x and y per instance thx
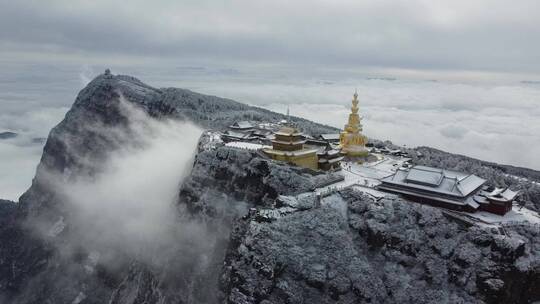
(353, 145)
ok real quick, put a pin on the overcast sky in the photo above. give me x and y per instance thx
(419, 35)
(467, 73)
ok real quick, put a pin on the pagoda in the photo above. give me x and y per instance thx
(351, 139)
(288, 139)
(288, 146)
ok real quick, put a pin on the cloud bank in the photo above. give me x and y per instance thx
(488, 122)
(20, 156)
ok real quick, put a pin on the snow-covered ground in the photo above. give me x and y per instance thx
(516, 215)
(365, 177)
(383, 167)
(246, 145)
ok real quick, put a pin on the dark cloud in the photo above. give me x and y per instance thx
(457, 35)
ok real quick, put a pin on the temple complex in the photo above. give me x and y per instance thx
(347, 160)
(288, 146)
(351, 139)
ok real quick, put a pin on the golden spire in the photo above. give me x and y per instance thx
(351, 140)
(354, 107)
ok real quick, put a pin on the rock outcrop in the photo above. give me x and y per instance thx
(356, 250)
(240, 175)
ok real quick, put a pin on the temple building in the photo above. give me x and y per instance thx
(495, 200)
(351, 139)
(448, 189)
(329, 159)
(331, 138)
(288, 146)
(242, 126)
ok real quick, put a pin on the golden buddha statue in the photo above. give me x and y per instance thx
(352, 141)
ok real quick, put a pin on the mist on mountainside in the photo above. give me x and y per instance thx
(129, 205)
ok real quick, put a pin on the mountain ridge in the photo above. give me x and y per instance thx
(231, 201)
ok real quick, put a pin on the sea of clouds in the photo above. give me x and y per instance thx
(491, 121)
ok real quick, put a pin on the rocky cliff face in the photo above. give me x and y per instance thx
(356, 250)
(349, 250)
(243, 176)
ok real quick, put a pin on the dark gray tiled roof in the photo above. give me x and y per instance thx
(436, 180)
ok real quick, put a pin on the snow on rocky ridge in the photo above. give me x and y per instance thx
(348, 248)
